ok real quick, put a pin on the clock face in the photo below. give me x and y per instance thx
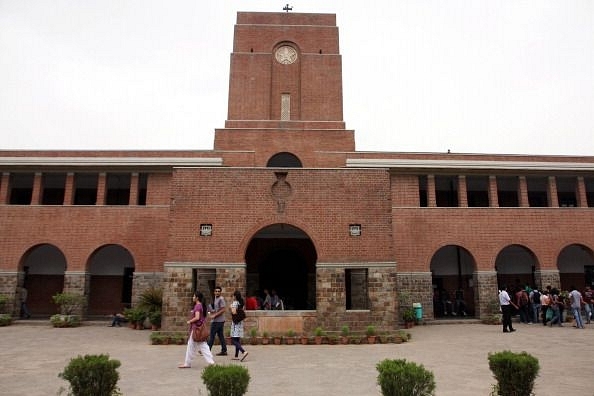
(285, 55)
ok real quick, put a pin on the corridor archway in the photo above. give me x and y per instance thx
(283, 257)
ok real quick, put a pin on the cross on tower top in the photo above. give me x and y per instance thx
(287, 8)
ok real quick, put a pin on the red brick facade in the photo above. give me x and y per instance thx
(345, 236)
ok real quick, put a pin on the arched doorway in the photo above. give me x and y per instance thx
(283, 257)
(452, 267)
(111, 268)
(515, 265)
(576, 267)
(43, 267)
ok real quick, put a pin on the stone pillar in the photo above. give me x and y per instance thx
(77, 282)
(330, 298)
(552, 192)
(177, 297)
(145, 280)
(431, 200)
(462, 195)
(523, 193)
(486, 292)
(544, 278)
(415, 287)
(493, 196)
(9, 280)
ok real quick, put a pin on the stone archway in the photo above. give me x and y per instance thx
(111, 268)
(576, 266)
(43, 267)
(283, 257)
(515, 266)
(452, 269)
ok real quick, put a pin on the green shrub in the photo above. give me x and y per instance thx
(92, 375)
(515, 372)
(3, 303)
(399, 378)
(69, 303)
(5, 319)
(370, 330)
(59, 320)
(319, 331)
(223, 380)
(151, 299)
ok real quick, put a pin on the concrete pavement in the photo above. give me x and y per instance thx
(31, 356)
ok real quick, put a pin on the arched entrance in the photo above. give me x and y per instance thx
(111, 268)
(452, 267)
(282, 257)
(515, 265)
(43, 267)
(576, 267)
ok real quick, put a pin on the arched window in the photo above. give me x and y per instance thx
(284, 160)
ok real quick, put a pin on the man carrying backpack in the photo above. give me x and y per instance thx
(535, 299)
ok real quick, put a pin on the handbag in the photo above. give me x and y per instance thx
(238, 316)
(200, 333)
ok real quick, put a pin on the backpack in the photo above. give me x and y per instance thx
(535, 297)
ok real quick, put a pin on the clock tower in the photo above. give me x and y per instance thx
(285, 91)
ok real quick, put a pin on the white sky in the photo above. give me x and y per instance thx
(475, 76)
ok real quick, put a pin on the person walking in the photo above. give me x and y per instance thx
(506, 308)
(588, 300)
(197, 318)
(576, 306)
(218, 321)
(23, 298)
(237, 327)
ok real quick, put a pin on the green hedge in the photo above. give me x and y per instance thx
(92, 375)
(515, 373)
(223, 380)
(402, 378)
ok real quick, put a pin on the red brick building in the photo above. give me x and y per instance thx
(284, 201)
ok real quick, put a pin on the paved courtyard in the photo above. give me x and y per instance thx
(31, 356)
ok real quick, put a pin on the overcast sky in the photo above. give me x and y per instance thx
(470, 76)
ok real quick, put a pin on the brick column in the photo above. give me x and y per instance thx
(101, 188)
(493, 197)
(4, 188)
(552, 192)
(462, 195)
(69, 189)
(580, 192)
(523, 193)
(133, 189)
(431, 200)
(36, 194)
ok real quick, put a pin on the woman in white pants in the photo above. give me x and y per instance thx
(197, 318)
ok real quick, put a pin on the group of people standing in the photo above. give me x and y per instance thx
(216, 313)
(546, 306)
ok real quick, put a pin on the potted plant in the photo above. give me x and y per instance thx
(277, 339)
(70, 307)
(318, 335)
(290, 338)
(155, 318)
(344, 334)
(5, 318)
(408, 315)
(304, 339)
(265, 338)
(371, 334)
(253, 336)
